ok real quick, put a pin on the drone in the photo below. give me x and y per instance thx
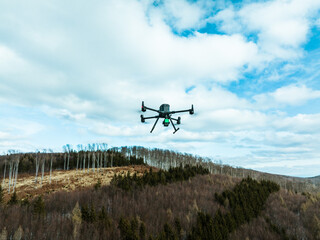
(164, 112)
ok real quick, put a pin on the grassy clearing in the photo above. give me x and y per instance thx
(65, 180)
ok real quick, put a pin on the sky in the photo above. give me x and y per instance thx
(75, 72)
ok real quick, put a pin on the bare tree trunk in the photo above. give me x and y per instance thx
(68, 160)
(16, 175)
(42, 169)
(50, 168)
(78, 158)
(4, 172)
(112, 159)
(37, 167)
(98, 162)
(101, 166)
(10, 172)
(93, 162)
(64, 163)
(84, 162)
(13, 173)
(80, 163)
(105, 159)
(89, 161)
(77, 161)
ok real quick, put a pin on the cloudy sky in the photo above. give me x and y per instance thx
(77, 71)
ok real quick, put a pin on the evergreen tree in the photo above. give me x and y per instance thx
(168, 232)
(1, 195)
(14, 199)
(142, 231)
(178, 228)
(39, 206)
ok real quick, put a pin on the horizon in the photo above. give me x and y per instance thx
(76, 72)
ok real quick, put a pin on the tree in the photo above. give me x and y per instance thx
(37, 166)
(4, 171)
(14, 199)
(51, 158)
(16, 171)
(79, 146)
(4, 234)
(142, 231)
(18, 233)
(76, 220)
(39, 206)
(98, 184)
(43, 163)
(68, 147)
(1, 195)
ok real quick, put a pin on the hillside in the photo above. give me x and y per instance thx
(162, 159)
(106, 201)
(285, 215)
(71, 180)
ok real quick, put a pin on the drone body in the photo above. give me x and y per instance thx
(164, 112)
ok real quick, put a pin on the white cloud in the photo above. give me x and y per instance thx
(300, 123)
(183, 14)
(293, 95)
(91, 65)
(281, 26)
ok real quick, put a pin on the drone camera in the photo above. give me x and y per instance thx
(166, 122)
(179, 120)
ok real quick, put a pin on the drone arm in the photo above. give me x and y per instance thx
(150, 117)
(154, 124)
(191, 111)
(173, 112)
(174, 127)
(151, 109)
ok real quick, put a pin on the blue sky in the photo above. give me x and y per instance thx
(76, 72)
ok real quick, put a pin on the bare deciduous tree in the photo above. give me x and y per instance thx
(79, 146)
(51, 158)
(43, 163)
(4, 171)
(37, 165)
(68, 147)
(84, 160)
(17, 160)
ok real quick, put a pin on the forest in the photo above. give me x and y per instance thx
(98, 155)
(183, 197)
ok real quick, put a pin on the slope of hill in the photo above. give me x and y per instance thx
(159, 211)
(27, 188)
(82, 204)
(162, 159)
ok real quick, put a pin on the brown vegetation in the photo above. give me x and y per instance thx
(66, 180)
